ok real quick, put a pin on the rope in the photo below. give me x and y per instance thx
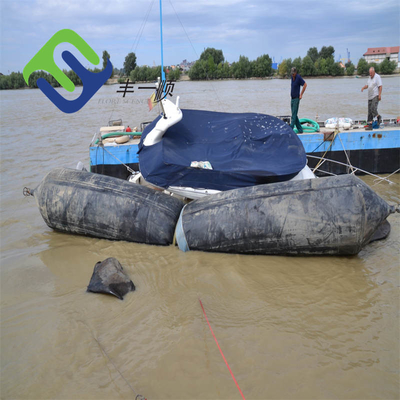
(322, 158)
(142, 26)
(356, 168)
(347, 157)
(381, 179)
(137, 40)
(112, 362)
(138, 396)
(222, 354)
(128, 168)
(195, 52)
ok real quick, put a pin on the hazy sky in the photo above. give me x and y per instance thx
(281, 29)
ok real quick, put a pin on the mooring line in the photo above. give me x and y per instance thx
(222, 354)
(138, 396)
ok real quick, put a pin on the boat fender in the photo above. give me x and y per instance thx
(122, 139)
(326, 216)
(79, 202)
(345, 126)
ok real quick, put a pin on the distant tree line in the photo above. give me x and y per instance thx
(16, 79)
(386, 67)
(145, 73)
(212, 65)
(149, 74)
(322, 63)
(315, 63)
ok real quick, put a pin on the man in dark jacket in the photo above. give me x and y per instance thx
(297, 81)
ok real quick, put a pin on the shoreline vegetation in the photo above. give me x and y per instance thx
(213, 66)
(185, 78)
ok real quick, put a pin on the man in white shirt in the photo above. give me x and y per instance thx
(374, 86)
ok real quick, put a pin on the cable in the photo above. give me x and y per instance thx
(208, 78)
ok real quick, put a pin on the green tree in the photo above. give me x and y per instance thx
(323, 67)
(73, 77)
(226, 70)
(337, 69)
(330, 65)
(129, 63)
(218, 72)
(174, 74)
(106, 56)
(297, 64)
(388, 67)
(362, 67)
(263, 66)
(216, 55)
(5, 82)
(308, 67)
(376, 66)
(326, 52)
(241, 69)
(313, 54)
(211, 67)
(198, 70)
(34, 76)
(133, 76)
(350, 68)
(16, 80)
(282, 69)
(289, 64)
(146, 74)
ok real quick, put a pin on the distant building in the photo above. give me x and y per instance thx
(185, 65)
(378, 54)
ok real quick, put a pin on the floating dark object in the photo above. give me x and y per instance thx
(109, 278)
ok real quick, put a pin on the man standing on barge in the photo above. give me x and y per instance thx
(374, 86)
(297, 81)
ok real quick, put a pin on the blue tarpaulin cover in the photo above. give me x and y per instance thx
(243, 149)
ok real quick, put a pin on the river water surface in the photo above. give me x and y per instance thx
(289, 327)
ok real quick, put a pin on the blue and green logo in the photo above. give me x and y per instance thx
(44, 60)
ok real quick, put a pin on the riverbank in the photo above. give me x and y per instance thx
(329, 77)
(185, 78)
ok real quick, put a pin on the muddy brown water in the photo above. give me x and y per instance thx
(289, 327)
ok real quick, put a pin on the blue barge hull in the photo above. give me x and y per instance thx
(110, 160)
(376, 151)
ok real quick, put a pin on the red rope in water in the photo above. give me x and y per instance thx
(222, 354)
